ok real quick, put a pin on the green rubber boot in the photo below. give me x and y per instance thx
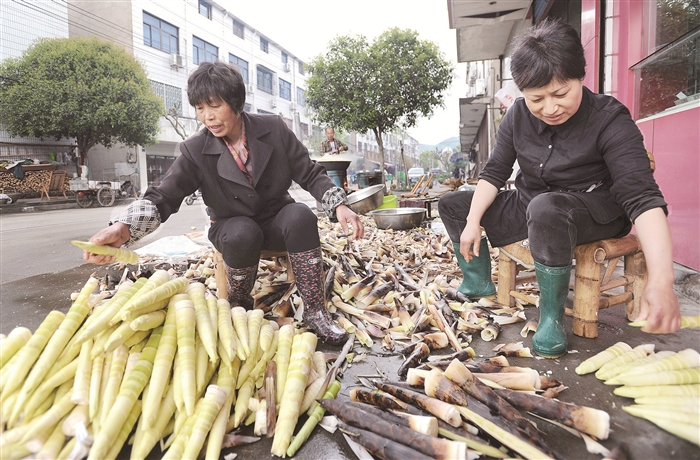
(550, 339)
(476, 274)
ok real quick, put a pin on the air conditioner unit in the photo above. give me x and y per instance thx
(249, 88)
(176, 61)
(273, 102)
(480, 87)
(286, 67)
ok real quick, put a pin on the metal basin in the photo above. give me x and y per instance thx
(366, 199)
(398, 218)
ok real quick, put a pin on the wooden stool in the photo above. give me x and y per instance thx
(281, 259)
(590, 288)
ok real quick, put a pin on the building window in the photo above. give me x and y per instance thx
(247, 107)
(301, 68)
(264, 112)
(160, 34)
(301, 96)
(264, 79)
(285, 90)
(241, 65)
(238, 29)
(285, 58)
(203, 51)
(264, 45)
(205, 9)
(670, 75)
(304, 131)
(171, 96)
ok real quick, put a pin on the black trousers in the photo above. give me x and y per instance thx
(240, 239)
(554, 222)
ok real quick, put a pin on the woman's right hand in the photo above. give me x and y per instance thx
(470, 241)
(115, 235)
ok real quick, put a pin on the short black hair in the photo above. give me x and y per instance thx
(213, 81)
(549, 51)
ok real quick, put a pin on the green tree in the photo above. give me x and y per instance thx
(378, 86)
(82, 88)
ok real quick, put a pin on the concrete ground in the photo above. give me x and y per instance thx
(40, 294)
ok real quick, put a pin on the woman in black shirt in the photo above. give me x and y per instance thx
(584, 176)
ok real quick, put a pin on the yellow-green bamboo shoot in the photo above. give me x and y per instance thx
(148, 321)
(595, 362)
(684, 359)
(162, 364)
(213, 401)
(284, 350)
(240, 324)
(120, 255)
(225, 327)
(205, 329)
(303, 348)
(184, 319)
(16, 339)
(128, 394)
(673, 377)
(606, 370)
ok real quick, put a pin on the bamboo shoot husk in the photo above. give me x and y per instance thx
(586, 419)
(513, 442)
(382, 447)
(440, 409)
(353, 415)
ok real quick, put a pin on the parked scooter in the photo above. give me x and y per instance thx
(191, 199)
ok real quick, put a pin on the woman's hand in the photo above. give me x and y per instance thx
(470, 241)
(659, 307)
(346, 216)
(115, 235)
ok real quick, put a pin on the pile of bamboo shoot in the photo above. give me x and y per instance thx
(161, 360)
(451, 414)
(665, 385)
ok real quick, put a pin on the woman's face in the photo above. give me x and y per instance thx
(555, 103)
(220, 119)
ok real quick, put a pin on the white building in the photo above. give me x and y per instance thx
(170, 38)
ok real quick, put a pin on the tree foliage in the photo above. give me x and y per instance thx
(82, 88)
(378, 86)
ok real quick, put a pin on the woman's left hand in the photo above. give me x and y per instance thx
(659, 307)
(346, 216)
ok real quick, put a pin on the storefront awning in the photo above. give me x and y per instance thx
(471, 114)
(485, 28)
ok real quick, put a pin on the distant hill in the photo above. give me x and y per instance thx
(451, 142)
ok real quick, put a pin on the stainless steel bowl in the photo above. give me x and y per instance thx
(366, 199)
(398, 218)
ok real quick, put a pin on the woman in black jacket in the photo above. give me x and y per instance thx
(244, 164)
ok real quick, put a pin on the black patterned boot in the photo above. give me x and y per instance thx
(308, 273)
(240, 283)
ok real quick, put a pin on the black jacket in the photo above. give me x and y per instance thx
(277, 156)
(598, 153)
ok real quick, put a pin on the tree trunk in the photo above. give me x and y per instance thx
(380, 143)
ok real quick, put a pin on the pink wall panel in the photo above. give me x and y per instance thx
(590, 37)
(674, 140)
